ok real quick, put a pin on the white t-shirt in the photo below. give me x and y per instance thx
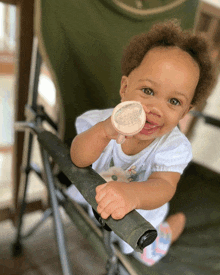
(171, 152)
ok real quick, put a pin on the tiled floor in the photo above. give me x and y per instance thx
(40, 256)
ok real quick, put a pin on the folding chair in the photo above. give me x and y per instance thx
(82, 42)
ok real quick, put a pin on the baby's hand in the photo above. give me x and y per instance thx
(109, 129)
(116, 199)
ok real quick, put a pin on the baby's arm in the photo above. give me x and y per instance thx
(119, 198)
(88, 146)
(160, 188)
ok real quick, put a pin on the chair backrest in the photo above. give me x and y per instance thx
(82, 43)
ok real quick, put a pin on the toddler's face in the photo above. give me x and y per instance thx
(164, 83)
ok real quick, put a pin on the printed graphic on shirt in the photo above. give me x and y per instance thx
(118, 174)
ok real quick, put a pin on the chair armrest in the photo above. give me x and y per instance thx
(133, 228)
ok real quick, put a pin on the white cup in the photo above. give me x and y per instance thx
(128, 119)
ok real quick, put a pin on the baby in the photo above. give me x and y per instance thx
(168, 71)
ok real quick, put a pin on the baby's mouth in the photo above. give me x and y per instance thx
(150, 124)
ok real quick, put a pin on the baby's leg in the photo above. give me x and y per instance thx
(177, 223)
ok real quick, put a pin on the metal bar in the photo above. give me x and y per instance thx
(112, 263)
(24, 180)
(28, 138)
(208, 119)
(34, 167)
(35, 75)
(47, 214)
(56, 215)
(47, 118)
(23, 125)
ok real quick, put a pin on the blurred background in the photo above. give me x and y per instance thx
(205, 139)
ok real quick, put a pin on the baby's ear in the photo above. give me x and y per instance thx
(123, 87)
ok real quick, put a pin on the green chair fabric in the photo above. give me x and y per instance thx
(83, 41)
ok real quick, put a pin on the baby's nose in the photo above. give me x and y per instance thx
(153, 110)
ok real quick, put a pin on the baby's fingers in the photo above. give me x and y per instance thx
(100, 192)
(104, 204)
(118, 214)
(107, 210)
(100, 187)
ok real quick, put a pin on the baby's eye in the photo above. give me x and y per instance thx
(148, 91)
(174, 101)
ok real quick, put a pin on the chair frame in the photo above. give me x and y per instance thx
(35, 116)
(32, 114)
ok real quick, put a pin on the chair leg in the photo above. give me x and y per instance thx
(112, 263)
(17, 246)
(28, 141)
(56, 215)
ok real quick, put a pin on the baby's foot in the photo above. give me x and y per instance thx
(177, 223)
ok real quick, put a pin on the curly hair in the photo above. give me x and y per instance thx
(168, 34)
